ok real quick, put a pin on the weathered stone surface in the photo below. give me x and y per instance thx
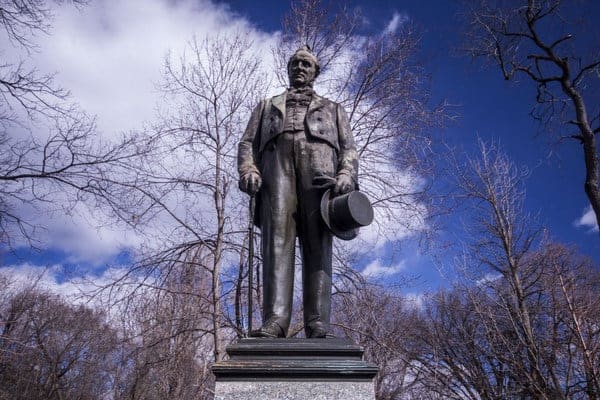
(294, 390)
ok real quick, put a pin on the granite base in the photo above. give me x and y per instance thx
(294, 369)
(294, 390)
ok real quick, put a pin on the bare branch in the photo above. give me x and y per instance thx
(516, 38)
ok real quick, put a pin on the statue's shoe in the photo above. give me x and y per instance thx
(270, 329)
(318, 331)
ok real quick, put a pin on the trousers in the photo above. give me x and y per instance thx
(290, 208)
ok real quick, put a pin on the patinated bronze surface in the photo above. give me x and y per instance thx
(296, 146)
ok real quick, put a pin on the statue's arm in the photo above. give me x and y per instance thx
(248, 152)
(348, 156)
(248, 146)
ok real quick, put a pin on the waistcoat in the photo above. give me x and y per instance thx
(296, 105)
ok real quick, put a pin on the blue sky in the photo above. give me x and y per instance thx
(489, 108)
(85, 41)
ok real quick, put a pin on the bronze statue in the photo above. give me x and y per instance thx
(298, 156)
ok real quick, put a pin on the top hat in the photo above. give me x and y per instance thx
(344, 214)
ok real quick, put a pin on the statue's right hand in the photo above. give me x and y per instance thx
(250, 183)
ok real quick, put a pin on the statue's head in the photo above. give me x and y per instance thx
(303, 67)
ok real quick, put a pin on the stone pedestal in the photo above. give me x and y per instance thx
(293, 369)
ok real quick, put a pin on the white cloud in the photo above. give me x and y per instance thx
(52, 278)
(397, 20)
(588, 220)
(415, 300)
(376, 270)
(380, 175)
(488, 278)
(83, 233)
(84, 240)
(110, 55)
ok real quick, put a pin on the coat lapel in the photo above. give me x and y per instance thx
(279, 103)
(316, 102)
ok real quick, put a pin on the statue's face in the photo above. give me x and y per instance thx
(302, 70)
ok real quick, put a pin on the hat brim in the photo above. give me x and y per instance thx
(342, 234)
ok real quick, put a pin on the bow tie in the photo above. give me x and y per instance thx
(304, 90)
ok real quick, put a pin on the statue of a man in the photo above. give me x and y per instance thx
(292, 143)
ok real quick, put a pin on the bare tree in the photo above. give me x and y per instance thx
(190, 209)
(503, 238)
(214, 90)
(572, 284)
(512, 329)
(564, 67)
(23, 20)
(381, 320)
(25, 93)
(470, 342)
(51, 155)
(168, 338)
(379, 82)
(53, 350)
(70, 166)
(452, 353)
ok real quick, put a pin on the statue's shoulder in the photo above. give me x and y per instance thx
(324, 101)
(276, 98)
(277, 101)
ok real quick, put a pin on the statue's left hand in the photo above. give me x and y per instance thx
(343, 184)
